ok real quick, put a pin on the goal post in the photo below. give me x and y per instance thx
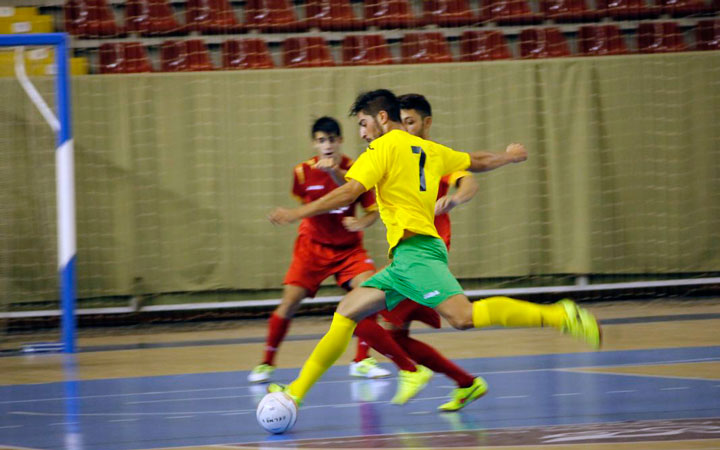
(64, 168)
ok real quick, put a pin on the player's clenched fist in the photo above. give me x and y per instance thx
(444, 205)
(517, 152)
(352, 223)
(326, 164)
(282, 216)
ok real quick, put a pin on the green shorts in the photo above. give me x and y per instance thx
(419, 271)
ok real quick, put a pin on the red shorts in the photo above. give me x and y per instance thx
(408, 310)
(312, 263)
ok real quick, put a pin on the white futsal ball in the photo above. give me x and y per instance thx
(276, 412)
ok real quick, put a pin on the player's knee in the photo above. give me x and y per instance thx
(458, 312)
(347, 310)
(287, 310)
(283, 312)
(461, 322)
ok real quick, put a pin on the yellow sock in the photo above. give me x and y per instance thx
(510, 312)
(326, 352)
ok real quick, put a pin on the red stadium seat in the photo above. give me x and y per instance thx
(90, 19)
(272, 16)
(389, 14)
(568, 11)
(598, 40)
(246, 54)
(184, 56)
(543, 43)
(448, 13)
(425, 48)
(151, 18)
(627, 9)
(124, 57)
(510, 12)
(332, 15)
(306, 52)
(660, 37)
(369, 49)
(211, 17)
(707, 35)
(483, 46)
(679, 8)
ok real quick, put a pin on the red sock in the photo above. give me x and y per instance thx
(363, 350)
(431, 358)
(379, 339)
(277, 329)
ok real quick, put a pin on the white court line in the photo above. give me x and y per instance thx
(123, 420)
(679, 388)
(140, 402)
(53, 399)
(162, 413)
(130, 394)
(626, 391)
(583, 367)
(10, 426)
(639, 375)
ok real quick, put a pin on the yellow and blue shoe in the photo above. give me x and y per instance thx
(285, 389)
(581, 324)
(410, 383)
(461, 397)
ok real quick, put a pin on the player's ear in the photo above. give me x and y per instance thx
(427, 122)
(382, 117)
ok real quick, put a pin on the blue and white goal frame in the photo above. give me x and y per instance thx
(64, 166)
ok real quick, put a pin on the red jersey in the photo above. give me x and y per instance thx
(442, 221)
(310, 184)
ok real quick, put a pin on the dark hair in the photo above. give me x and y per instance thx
(373, 102)
(417, 102)
(326, 125)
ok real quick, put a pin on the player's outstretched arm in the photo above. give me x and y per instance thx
(342, 196)
(485, 161)
(467, 188)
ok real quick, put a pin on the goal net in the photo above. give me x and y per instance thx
(176, 173)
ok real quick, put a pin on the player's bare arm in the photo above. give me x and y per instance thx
(467, 188)
(342, 196)
(486, 161)
(360, 223)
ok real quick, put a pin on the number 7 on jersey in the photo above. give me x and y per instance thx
(419, 150)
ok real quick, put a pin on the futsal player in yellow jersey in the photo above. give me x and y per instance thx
(405, 171)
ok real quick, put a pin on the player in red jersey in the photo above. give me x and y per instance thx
(329, 244)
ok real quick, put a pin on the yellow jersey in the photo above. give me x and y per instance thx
(405, 171)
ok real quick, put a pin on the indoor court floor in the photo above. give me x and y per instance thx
(654, 385)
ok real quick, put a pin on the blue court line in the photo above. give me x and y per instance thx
(218, 408)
